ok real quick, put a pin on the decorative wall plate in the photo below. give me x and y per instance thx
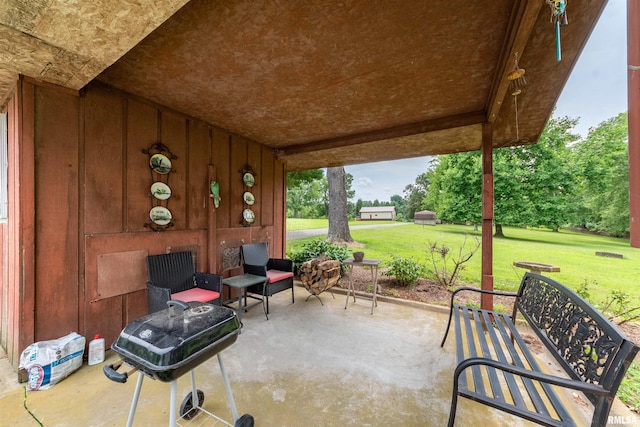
(160, 215)
(248, 198)
(160, 190)
(160, 163)
(248, 179)
(248, 216)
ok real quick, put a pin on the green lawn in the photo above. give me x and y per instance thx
(573, 252)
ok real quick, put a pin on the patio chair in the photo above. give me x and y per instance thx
(279, 272)
(172, 276)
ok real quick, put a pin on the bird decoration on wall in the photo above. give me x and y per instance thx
(559, 19)
(214, 188)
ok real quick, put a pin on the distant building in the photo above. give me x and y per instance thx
(425, 218)
(378, 213)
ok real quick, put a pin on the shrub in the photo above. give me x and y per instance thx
(317, 247)
(442, 258)
(405, 270)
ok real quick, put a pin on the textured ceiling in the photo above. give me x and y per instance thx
(322, 83)
(70, 42)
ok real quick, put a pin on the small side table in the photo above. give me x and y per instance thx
(241, 283)
(367, 262)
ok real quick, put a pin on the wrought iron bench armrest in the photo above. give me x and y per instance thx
(534, 375)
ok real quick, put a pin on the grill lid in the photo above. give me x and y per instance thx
(168, 337)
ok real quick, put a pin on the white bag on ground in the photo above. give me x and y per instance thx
(48, 362)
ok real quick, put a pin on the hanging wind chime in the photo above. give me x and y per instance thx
(558, 19)
(516, 83)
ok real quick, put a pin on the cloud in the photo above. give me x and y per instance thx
(381, 180)
(597, 87)
(364, 182)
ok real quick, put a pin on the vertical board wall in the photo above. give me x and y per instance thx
(79, 170)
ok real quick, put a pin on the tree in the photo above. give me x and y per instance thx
(550, 178)
(349, 191)
(455, 188)
(294, 179)
(338, 220)
(304, 192)
(415, 194)
(602, 166)
(302, 200)
(532, 183)
(401, 208)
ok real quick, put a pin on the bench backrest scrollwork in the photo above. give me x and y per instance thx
(584, 342)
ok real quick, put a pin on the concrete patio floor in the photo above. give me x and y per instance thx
(308, 365)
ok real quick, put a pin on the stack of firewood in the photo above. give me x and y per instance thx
(320, 274)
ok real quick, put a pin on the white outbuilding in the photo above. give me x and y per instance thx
(378, 213)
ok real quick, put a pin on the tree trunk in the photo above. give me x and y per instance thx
(499, 231)
(338, 220)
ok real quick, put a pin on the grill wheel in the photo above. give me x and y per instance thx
(187, 410)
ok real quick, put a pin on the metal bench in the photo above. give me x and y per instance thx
(496, 368)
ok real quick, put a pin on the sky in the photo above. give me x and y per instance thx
(595, 92)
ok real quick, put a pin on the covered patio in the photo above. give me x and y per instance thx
(323, 366)
(228, 87)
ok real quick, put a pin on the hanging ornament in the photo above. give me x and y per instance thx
(558, 19)
(516, 78)
(516, 83)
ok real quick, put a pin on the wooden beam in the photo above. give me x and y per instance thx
(523, 17)
(425, 126)
(633, 76)
(486, 302)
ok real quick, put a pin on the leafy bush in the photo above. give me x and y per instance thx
(317, 247)
(405, 270)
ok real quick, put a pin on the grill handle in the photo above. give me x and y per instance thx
(111, 371)
(181, 304)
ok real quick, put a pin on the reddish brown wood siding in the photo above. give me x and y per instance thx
(85, 270)
(21, 226)
(57, 211)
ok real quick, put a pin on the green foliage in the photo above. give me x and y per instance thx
(532, 183)
(601, 166)
(314, 248)
(307, 193)
(405, 270)
(455, 188)
(415, 194)
(583, 290)
(629, 391)
(303, 199)
(294, 179)
(500, 308)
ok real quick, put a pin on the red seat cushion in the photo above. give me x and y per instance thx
(196, 294)
(277, 275)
